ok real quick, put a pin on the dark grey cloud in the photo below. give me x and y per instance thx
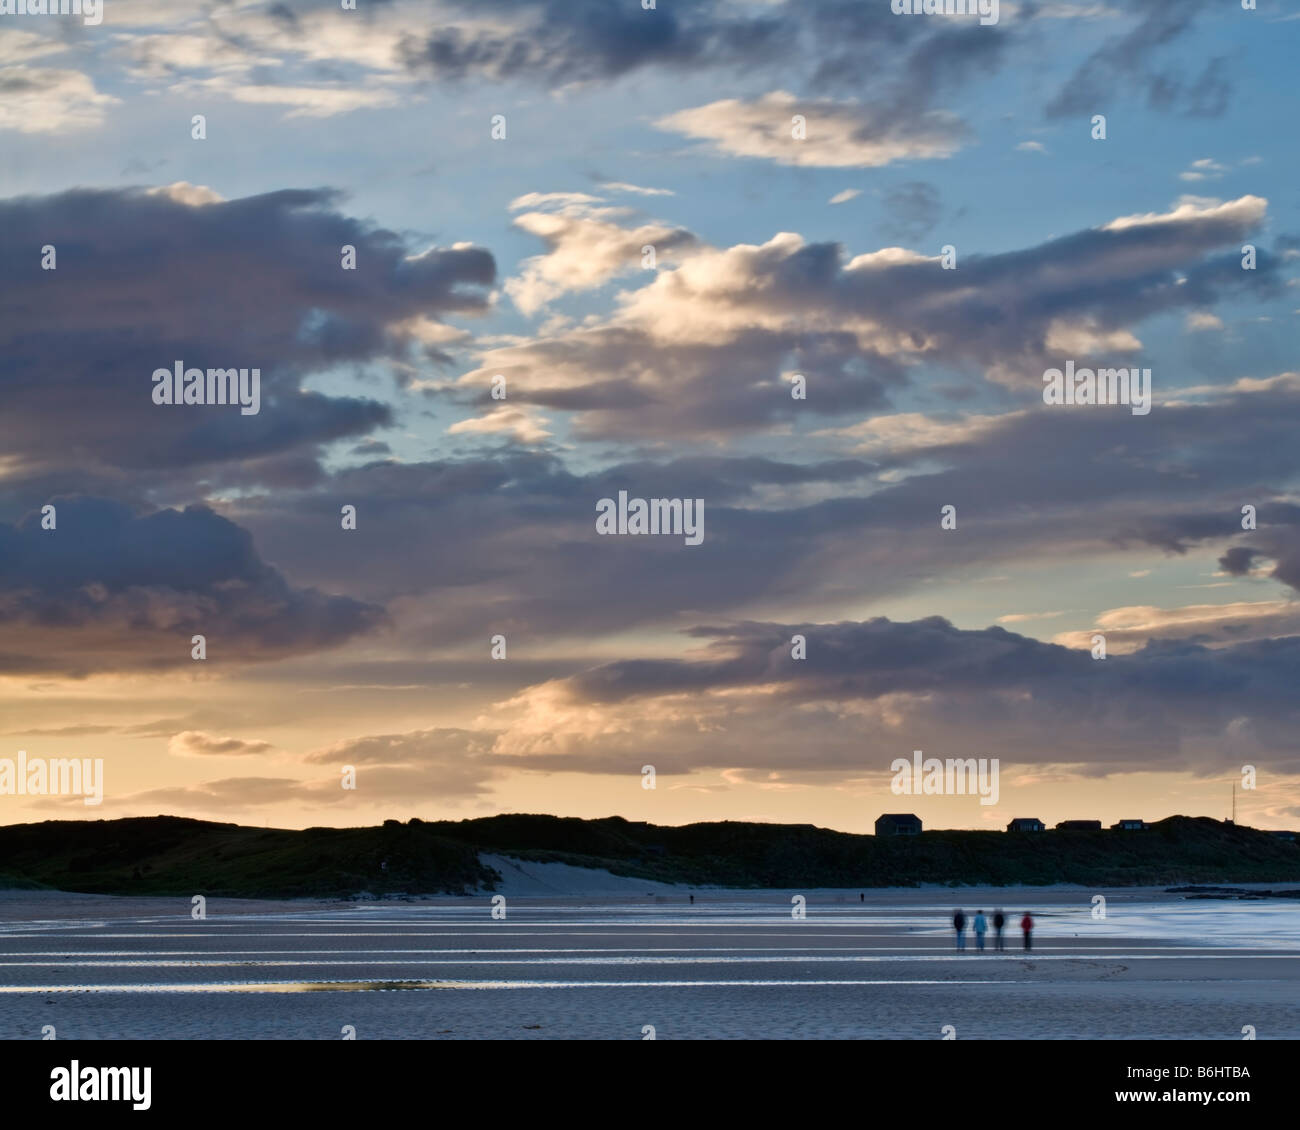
(510, 541)
(819, 47)
(869, 659)
(506, 542)
(144, 280)
(913, 211)
(840, 47)
(1125, 66)
(1276, 539)
(110, 589)
(564, 41)
(1171, 705)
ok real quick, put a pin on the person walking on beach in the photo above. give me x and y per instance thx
(959, 924)
(981, 928)
(999, 920)
(1027, 925)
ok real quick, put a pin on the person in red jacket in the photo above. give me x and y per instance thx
(1027, 925)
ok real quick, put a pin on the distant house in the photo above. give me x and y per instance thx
(1288, 837)
(1026, 824)
(898, 824)
(1129, 826)
(1079, 826)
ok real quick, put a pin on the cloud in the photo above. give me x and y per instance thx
(1204, 169)
(873, 690)
(564, 201)
(233, 794)
(197, 743)
(558, 43)
(187, 51)
(110, 590)
(1210, 625)
(1277, 540)
(48, 100)
(191, 195)
(622, 186)
(523, 425)
(585, 247)
(913, 211)
(147, 278)
(441, 761)
(704, 348)
(512, 532)
(553, 44)
(316, 101)
(378, 789)
(476, 516)
(24, 46)
(839, 134)
(1126, 63)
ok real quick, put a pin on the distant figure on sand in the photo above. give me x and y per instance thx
(999, 920)
(981, 928)
(1027, 925)
(692, 900)
(862, 898)
(959, 924)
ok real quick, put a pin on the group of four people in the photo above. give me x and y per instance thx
(981, 926)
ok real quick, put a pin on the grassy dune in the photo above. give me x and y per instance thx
(174, 856)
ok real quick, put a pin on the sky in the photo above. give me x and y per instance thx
(800, 265)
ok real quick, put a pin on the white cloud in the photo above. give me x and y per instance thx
(524, 425)
(559, 200)
(839, 134)
(1130, 628)
(24, 46)
(315, 101)
(623, 186)
(46, 100)
(585, 249)
(1191, 209)
(182, 192)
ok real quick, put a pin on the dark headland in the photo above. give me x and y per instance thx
(174, 856)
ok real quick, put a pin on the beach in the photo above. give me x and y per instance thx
(586, 955)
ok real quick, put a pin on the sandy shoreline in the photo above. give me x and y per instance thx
(735, 964)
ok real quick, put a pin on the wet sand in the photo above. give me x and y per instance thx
(735, 965)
